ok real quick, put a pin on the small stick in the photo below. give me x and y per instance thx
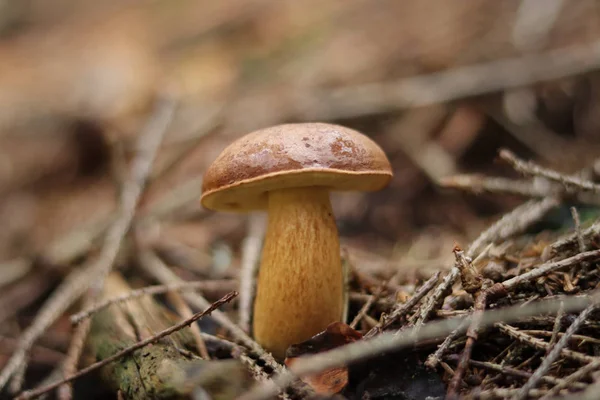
(157, 269)
(542, 333)
(556, 328)
(572, 380)
(531, 168)
(455, 83)
(249, 264)
(69, 364)
(554, 353)
(482, 184)
(185, 312)
(152, 290)
(515, 221)
(366, 307)
(400, 310)
(580, 242)
(544, 269)
(573, 239)
(502, 393)
(578, 233)
(148, 143)
(434, 359)
(542, 345)
(71, 289)
(153, 339)
(513, 371)
(465, 356)
(363, 298)
(388, 341)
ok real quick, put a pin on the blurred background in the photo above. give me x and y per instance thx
(440, 85)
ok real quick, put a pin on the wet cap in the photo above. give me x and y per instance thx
(291, 156)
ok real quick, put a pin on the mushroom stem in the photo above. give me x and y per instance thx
(300, 283)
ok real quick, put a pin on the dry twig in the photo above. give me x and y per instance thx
(450, 84)
(384, 342)
(78, 282)
(542, 345)
(226, 284)
(157, 269)
(554, 353)
(531, 168)
(515, 221)
(400, 310)
(147, 146)
(153, 339)
(483, 184)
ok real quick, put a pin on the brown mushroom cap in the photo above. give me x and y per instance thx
(293, 155)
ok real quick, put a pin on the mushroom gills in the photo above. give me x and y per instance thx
(300, 283)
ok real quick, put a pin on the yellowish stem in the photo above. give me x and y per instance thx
(300, 283)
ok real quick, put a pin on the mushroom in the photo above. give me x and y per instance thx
(289, 171)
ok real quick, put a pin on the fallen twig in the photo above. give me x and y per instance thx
(572, 239)
(386, 341)
(513, 371)
(542, 345)
(157, 269)
(227, 284)
(94, 274)
(554, 353)
(450, 84)
(153, 339)
(531, 168)
(480, 184)
(401, 310)
(515, 221)
(572, 380)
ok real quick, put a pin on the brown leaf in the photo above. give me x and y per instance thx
(333, 380)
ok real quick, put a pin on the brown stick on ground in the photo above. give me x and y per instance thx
(554, 353)
(159, 369)
(499, 290)
(79, 281)
(387, 341)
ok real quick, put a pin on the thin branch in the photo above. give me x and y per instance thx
(531, 168)
(588, 234)
(482, 184)
(544, 269)
(542, 345)
(543, 333)
(554, 353)
(69, 364)
(366, 307)
(94, 274)
(572, 380)
(185, 312)
(364, 349)
(448, 85)
(556, 328)
(514, 372)
(227, 284)
(157, 269)
(472, 335)
(515, 221)
(400, 310)
(130, 349)
(434, 359)
(578, 233)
